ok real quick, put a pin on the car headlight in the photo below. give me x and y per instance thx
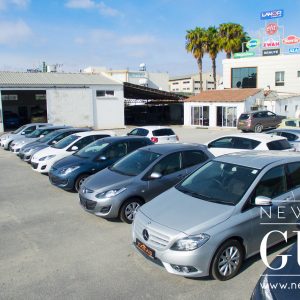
(46, 157)
(110, 193)
(65, 171)
(190, 243)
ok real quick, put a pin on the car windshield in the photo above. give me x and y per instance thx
(35, 133)
(92, 150)
(48, 137)
(219, 182)
(19, 129)
(66, 141)
(135, 162)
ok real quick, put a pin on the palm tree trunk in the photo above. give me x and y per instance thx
(228, 54)
(199, 61)
(214, 72)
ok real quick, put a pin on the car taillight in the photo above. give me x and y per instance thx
(154, 139)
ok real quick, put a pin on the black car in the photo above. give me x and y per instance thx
(280, 284)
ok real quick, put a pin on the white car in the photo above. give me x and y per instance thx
(7, 138)
(247, 141)
(157, 134)
(43, 160)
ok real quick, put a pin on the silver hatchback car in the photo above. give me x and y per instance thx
(217, 217)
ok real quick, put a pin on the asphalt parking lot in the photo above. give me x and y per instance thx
(51, 249)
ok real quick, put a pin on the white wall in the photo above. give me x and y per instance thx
(109, 111)
(70, 106)
(289, 107)
(266, 68)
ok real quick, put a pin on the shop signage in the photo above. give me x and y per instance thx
(291, 39)
(243, 54)
(270, 43)
(253, 43)
(294, 50)
(271, 28)
(271, 14)
(271, 52)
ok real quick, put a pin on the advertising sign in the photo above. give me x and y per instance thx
(271, 52)
(271, 14)
(253, 43)
(294, 50)
(291, 39)
(243, 54)
(270, 43)
(271, 28)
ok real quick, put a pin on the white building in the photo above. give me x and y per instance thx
(190, 84)
(142, 77)
(92, 100)
(279, 73)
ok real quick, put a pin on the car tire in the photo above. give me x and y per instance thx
(129, 208)
(227, 260)
(9, 146)
(258, 128)
(79, 180)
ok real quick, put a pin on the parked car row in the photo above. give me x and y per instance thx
(195, 209)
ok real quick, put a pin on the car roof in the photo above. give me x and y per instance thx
(114, 139)
(258, 159)
(55, 127)
(255, 111)
(59, 131)
(94, 132)
(153, 127)
(295, 131)
(261, 137)
(173, 147)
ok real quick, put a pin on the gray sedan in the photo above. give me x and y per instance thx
(221, 214)
(137, 178)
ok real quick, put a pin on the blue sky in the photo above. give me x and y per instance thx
(121, 34)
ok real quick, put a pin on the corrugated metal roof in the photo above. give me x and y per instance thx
(54, 79)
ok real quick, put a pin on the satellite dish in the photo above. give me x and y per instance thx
(142, 67)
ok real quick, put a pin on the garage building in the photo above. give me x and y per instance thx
(83, 100)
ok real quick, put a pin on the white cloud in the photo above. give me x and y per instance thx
(21, 3)
(104, 9)
(134, 40)
(12, 33)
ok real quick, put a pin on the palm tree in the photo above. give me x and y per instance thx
(232, 37)
(213, 47)
(196, 44)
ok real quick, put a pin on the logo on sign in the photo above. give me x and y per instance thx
(271, 52)
(243, 54)
(294, 50)
(291, 39)
(272, 14)
(252, 44)
(271, 28)
(270, 43)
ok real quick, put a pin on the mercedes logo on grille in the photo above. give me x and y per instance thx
(145, 235)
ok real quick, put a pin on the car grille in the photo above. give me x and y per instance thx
(21, 155)
(156, 239)
(88, 204)
(34, 165)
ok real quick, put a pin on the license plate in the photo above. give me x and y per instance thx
(148, 251)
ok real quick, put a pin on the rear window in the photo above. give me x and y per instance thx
(163, 132)
(191, 158)
(244, 116)
(279, 145)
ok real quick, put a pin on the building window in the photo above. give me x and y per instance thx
(296, 107)
(243, 77)
(105, 93)
(186, 82)
(200, 115)
(279, 78)
(298, 73)
(9, 97)
(174, 83)
(226, 116)
(286, 109)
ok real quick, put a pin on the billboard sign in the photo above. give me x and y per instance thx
(271, 52)
(243, 54)
(252, 44)
(294, 50)
(271, 28)
(291, 39)
(271, 14)
(270, 43)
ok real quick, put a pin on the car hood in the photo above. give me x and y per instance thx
(32, 144)
(69, 161)
(106, 179)
(48, 151)
(185, 213)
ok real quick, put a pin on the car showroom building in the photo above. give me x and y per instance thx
(83, 100)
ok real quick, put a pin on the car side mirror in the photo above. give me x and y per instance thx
(23, 132)
(209, 145)
(263, 201)
(102, 158)
(42, 135)
(74, 148)
(53, 142)
(155, 175)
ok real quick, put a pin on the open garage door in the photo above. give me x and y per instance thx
(20, 107)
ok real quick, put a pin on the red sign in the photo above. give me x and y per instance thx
(270, 43)
(291, 39)
(271, 28)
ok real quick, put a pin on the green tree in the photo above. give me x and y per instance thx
(196, 41)
(213, 47)
(232, 37)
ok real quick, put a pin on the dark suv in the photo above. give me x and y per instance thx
(257, 121)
